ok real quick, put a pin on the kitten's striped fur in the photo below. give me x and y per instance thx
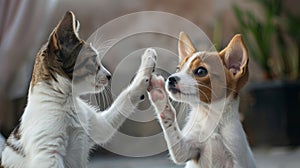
(58, 129)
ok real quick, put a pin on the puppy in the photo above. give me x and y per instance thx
(209, 82)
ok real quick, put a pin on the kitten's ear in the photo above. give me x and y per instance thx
(235, 56)
(65, 37)
(185, 46)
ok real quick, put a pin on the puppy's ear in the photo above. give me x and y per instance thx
(64, 38)
(235, 56)
(235, 59)
(185, 46)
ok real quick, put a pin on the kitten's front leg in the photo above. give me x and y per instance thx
(105, 124)
(135, 93)
(54, 160)
(180, 150)
(137, 90)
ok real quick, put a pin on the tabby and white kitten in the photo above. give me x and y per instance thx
(57, 130)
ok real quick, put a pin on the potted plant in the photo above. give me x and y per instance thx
(273, 41)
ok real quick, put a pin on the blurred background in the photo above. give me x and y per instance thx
(270, 103)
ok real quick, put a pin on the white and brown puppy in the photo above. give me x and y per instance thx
(224, 144)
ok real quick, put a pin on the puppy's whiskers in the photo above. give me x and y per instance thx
(196, 88)
(212, 91)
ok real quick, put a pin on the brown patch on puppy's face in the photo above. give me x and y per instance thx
(209, 75)
(199, 70)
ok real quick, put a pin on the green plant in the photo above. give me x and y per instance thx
(293, 28)
(271, 39)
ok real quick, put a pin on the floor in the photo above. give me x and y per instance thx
(265, 157)
(280, 157)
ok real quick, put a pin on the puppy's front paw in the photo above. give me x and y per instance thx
(160, 100)
(157, 93)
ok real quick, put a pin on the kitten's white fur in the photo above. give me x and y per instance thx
(59, 131)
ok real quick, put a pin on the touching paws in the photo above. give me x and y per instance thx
(141, 81)
(160, 100)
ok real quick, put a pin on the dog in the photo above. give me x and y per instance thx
(213, 135)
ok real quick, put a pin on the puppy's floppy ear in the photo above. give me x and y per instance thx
(64, 39)
(185, 46)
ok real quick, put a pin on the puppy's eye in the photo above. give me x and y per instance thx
(201, 72)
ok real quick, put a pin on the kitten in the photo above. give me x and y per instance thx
(56, 129)
(200, 83)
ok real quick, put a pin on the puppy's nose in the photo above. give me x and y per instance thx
(173, 80)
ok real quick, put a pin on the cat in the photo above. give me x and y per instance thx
(56, 129)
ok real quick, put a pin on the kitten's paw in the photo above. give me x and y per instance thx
(142, 79)
(138, 89)
(148, 63)
(149, 60)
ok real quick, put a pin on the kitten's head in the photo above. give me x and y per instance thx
(203, 77)
(58, 57)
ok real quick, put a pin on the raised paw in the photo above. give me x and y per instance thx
(148, 62)
(138, 89)
(160, 100)
(157, 93)
(141, 82)
(156, 88)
